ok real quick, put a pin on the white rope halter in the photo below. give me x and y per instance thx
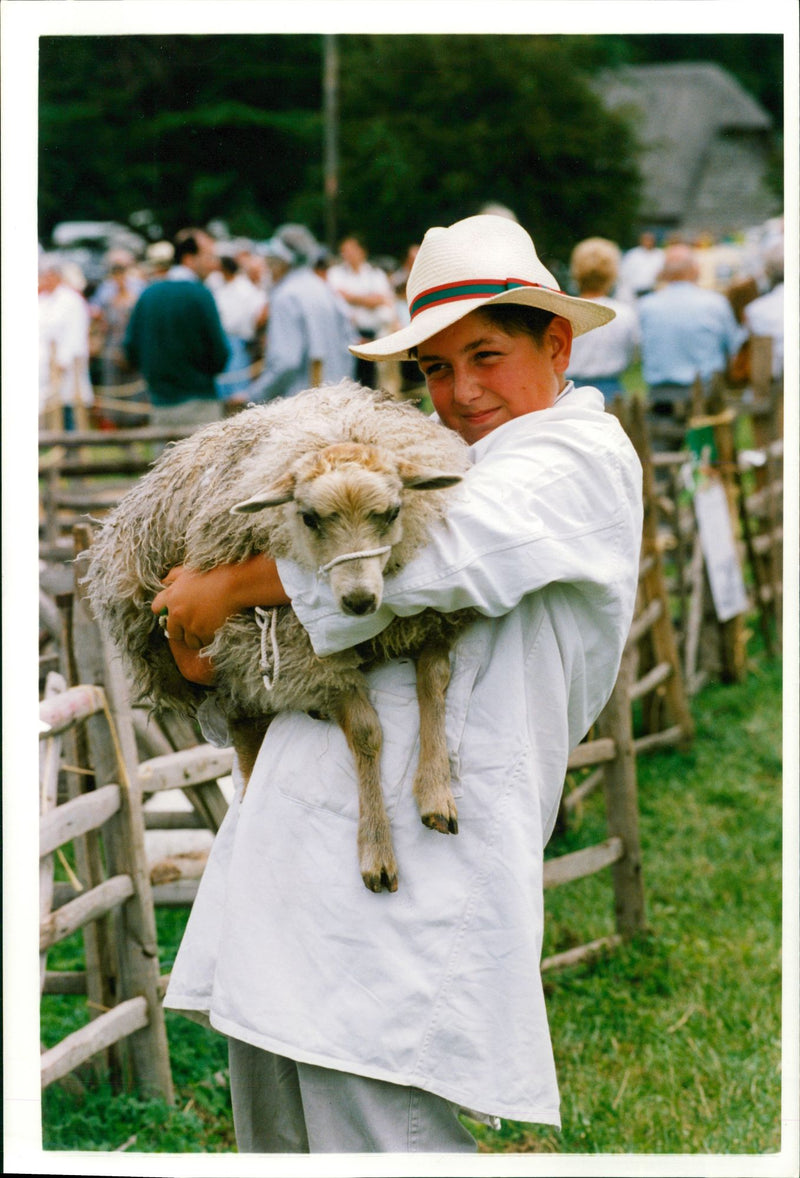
(268, 620)
(326, 568)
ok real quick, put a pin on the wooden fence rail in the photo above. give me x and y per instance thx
(613, 754)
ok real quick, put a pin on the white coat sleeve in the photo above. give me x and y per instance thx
(554, 496)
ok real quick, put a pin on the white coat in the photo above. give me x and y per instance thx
(63, 348)
(437, 985)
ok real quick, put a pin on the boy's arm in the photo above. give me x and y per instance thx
(197, 604)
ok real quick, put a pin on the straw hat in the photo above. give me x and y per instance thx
(475, 262)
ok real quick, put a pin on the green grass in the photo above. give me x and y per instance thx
(668, 1044)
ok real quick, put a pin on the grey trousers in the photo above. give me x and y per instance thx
(280, 1106)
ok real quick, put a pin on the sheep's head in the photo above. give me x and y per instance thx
(348, 501)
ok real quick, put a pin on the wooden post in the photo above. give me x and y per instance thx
(136, 938)
(53, 413)
(663, 635)
(732, 632)
(330, 90)
(622, 807)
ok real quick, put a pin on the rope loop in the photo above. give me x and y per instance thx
(270, 652)
(364, 555)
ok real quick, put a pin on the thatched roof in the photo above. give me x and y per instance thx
(679, 112)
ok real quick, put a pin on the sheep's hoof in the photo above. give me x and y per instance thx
(377, 882)
(444, 823)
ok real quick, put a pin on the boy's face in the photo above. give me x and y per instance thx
(479, 377)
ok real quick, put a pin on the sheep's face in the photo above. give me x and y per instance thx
(347, 515)
(347, 511)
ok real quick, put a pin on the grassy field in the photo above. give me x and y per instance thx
(670, 1044)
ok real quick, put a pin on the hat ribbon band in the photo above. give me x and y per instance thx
(477, 289)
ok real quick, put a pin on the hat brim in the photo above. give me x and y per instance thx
(583, 314)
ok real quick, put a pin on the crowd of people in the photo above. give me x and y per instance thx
(196, 328)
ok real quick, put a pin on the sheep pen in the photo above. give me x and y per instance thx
(346, 482)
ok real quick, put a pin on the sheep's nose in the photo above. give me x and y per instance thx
(359, 602)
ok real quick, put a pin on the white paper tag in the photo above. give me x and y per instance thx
(719, 551)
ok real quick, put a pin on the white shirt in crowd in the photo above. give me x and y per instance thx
(366, 280)
(607, 350)
(438, 985)
(63, 345)
(764, 316)
(240, 303)
(639, 269)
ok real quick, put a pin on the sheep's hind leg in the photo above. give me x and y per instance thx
(432, 790)
(247, 737)
(361, 726)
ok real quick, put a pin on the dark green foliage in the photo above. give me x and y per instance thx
(196, 127)
(436, 126)
(191, 127)
(431, 127)
(99, 1119)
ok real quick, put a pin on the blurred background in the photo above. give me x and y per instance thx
(678, 134)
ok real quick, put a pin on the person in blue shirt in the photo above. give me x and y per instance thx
(686, 332)
(308, 330)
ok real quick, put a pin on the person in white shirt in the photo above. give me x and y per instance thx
(308, 332)
(363, 1022)
(600, 358)
(640, 268)
(65, 391)
(243, 312)
(369, 294)
(764, 315)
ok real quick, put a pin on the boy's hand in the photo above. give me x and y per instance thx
(196, 604)
(193, 606)
(192, 664)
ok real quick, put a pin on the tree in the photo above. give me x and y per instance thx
(431, 127)
(191, 126)
(434, 126)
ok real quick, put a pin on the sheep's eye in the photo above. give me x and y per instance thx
(385, 519)
(310, 519)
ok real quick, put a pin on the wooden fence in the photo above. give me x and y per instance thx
(110, 901)
(610, 754)
(84, 473)
(751, 474)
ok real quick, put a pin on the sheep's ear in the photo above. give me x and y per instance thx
(274, 496)
(414, 479)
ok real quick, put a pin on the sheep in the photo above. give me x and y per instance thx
(332, 479)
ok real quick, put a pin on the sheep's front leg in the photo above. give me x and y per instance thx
(432, 790)
(362, 729)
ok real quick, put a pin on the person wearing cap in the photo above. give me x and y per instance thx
(307, 330)
(363, 1022)
(158, 259)
(175, 338)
